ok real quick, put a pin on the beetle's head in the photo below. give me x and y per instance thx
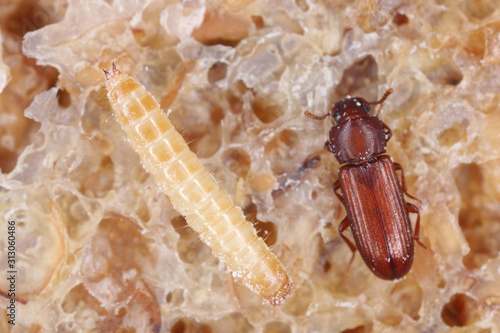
(349, 108)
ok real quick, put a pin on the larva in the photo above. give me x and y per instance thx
(208, 209)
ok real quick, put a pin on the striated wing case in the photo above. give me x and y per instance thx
(378, 217)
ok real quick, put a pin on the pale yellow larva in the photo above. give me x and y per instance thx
(208, 209)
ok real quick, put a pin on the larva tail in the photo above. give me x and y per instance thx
(193, 191)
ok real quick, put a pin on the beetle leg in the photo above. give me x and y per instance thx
(416, 235)
(398, 166)
(336, 186)
(329, 146)
(387, 132)
(342, 226)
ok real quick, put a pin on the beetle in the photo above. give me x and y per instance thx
(371, 192)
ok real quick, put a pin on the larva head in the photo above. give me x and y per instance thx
(119, 85)
(114, 72)
(129, 99)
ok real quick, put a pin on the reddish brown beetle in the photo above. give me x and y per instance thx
(371, 192)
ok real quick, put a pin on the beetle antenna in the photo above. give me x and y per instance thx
(381, 101)
(312, 116)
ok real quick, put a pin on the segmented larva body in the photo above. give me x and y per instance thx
(208, 209)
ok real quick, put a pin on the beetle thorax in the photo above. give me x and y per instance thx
(358, 139)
